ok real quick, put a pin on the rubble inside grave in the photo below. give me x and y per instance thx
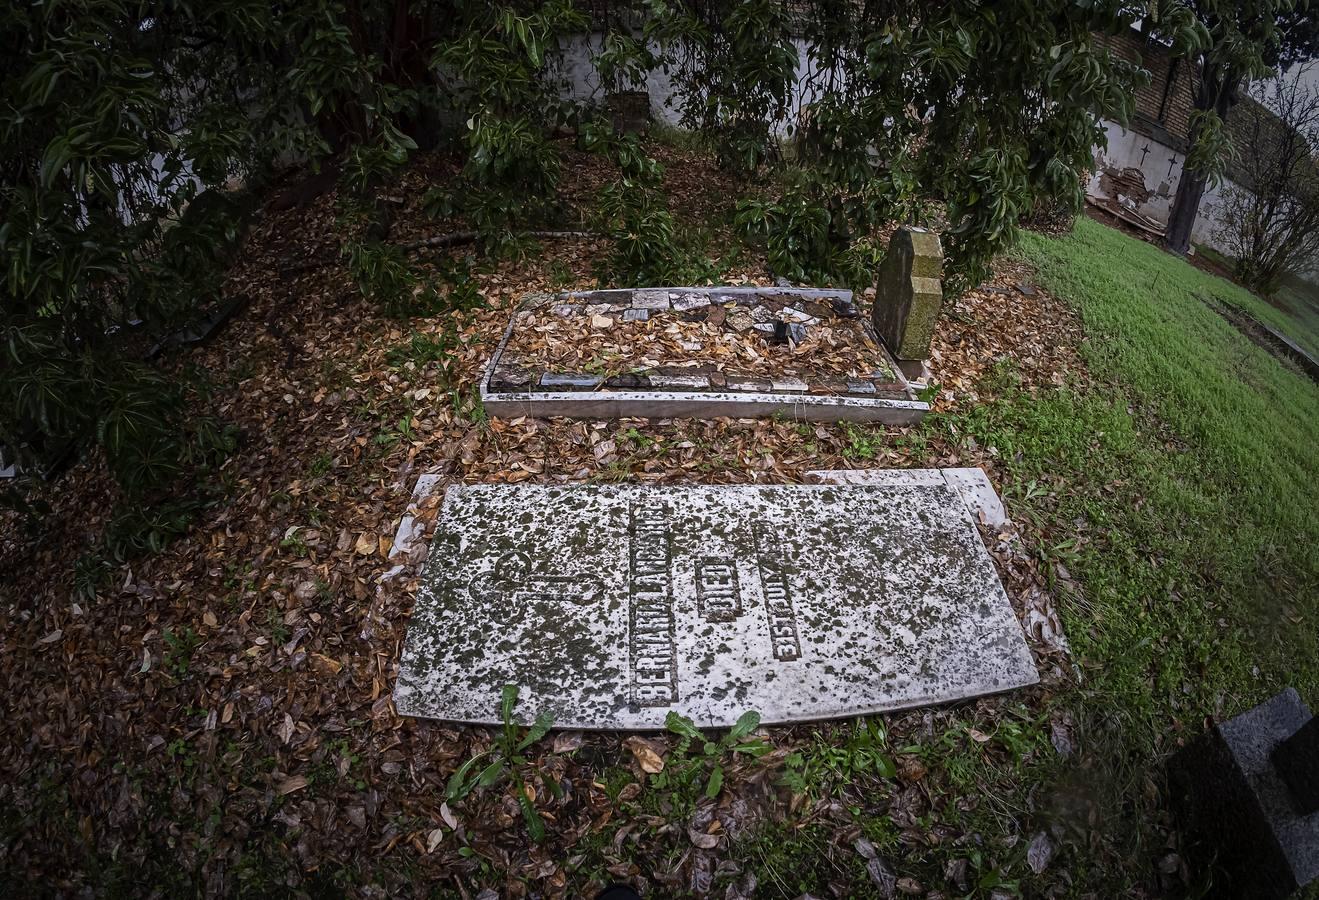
(697, 339)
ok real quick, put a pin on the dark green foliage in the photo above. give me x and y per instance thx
(634, 212)
(101, 249)
(735, 65)
(501, 61)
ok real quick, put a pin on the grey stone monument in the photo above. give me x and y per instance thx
(1244, 792)
(909, 296)
(609, 605)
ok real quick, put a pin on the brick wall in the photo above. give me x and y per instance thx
(1163, 107)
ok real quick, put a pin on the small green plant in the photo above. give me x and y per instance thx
(860, 444)
(279, 632)
(561, 277)
(322, 464)
(424, 349)
(382, 272)
(686, 769)
(293, 541)
(140, 528)
(179, 647)
(505, 760)
(840, 759)
(90, 572)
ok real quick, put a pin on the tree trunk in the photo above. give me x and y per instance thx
(1185, 208)
(1217, 91)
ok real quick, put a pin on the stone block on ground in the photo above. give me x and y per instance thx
(1242, 824)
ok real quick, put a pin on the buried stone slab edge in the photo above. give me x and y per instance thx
(971, 484)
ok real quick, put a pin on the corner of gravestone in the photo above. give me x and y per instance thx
(909, 295)
(1235, 799)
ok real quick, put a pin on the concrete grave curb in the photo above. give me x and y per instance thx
(786, 399)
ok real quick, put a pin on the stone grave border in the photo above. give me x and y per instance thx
(789, 400)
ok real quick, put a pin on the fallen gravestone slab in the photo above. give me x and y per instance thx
(611, 605)
(972, 484)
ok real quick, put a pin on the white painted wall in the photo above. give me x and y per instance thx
(582, 83)
(1124, 147)
(1161, 167)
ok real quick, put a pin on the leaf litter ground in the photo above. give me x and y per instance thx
(217, 718)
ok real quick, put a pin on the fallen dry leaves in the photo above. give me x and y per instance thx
(220, 712)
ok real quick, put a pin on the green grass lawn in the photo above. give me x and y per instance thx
(1300, 320)
(1181, 492)
(1195, 475)
(1294, 311)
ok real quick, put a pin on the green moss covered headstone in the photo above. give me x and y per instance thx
(908, 293)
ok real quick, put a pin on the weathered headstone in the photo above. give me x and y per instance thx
(1297, 761)
(611, 605)
(908, 293)
(1241, 815)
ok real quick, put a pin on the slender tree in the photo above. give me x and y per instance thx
(1270, 222)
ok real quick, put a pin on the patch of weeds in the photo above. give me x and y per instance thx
(322, 464)
(560, 276)
(469, 406)
(506, 760)
(141, 529)
(91, 572)
(279, 632)
(840, 758)
(796, 862)
(615, 779)
(422, 349)
(179, 647)
(293, 541)
(860, 443)
(389, 435)
(642, 441)
(695, 767)
(464, 293)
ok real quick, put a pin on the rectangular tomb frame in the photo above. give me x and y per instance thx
(737, 402)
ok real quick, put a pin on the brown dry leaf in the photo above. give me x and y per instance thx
(568, 741)
(647, 754)
(702, 840)
(289, 785)
(325, 665)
